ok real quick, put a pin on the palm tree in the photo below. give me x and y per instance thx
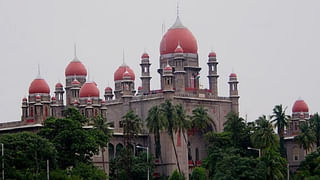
(237, 127)
(280, 119)
(102, 126)
(201, 120)
(132, 126)
(306, 136)
(169, 114)
(263, 136)
(315, 125)
(156, 123)
(275, 165)
(182, 122)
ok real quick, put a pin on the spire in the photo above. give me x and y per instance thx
(178, 9)
(75, 52)
(178, 23)
(123, 58)
(39, 75)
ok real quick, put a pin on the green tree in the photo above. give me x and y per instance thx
(169, 114)
(309, 168)
(240, 133)
(87, 172)
(201, 120)
(182, 123)
(176, 176)
(73, 143)
(280, 120)
(275, 165)
(263, 136)
(156, 123)
(73, 113)
(102, 126)
(198, 173)
(315, 126)
(132, 126)
(26, 155)
(306, 136)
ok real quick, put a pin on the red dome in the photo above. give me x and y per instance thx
(53, 98)
(108, 89)
(24, 99)
(300, 106)
(103, 102)
(118, 75)
(39, 85)
(233, 75)
(145, 55)
(89, 89)
(75, 82)
(75, 102)
(38, 97)
(75, 67)
(168, 68)
(59, 85)
(140, 88)
(212, 54)
(178, 34)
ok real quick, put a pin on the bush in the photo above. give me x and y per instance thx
(176, 176)
(198, 173)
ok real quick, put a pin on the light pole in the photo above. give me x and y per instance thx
(259, 150)
(147, 148)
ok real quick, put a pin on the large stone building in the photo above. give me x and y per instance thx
(179, 73)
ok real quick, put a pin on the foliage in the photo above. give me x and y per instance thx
(310, 167)
(73, 143)
(306, 136)
(176, 176)
(26, 155)
(315, 126)
(139, 167)
(169, 114)
(87, 172)
(132, 125)
(201, 120)
(263, 136)
(182, 123)
(275, 165)
(73, 113)
(198, 173)
(156, 123)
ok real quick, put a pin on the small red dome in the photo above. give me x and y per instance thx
(108, 89)
(59, 85)
(168, 68)
(39, 85)
(38, 97)
(178, 34)
(53, 98)
(24, 99)
(75, 102)
(76, 68)
(145, 56)
(89, 100)
(300, 106)
(126, 75)
(89, 89)
(75, 82)
(118, 75)
(234, 75)
(212, 54)
(103, 102)
(178, 49)
(139, 88)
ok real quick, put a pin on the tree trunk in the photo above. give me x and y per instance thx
(175, 152)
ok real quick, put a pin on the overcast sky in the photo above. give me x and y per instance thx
(272, 45)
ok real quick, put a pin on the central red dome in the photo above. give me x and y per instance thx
(118, 75)
(178, 34)
(300, 106)
(89, 89)
(75, 67)
(38, 86)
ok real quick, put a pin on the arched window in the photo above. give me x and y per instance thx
(111, 151)
(119, 148)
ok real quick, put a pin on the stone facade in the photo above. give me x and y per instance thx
(179, 71)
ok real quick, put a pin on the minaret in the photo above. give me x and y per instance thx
(167, 79)
(103, 109)
(145, 73)
(179, 73)
(213, 73)
(127, 85)
(108, 94)
(75, 70)
(24, 109)
(59, 93)
(75, 90)
(234, 96)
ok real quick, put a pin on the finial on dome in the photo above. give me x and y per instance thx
(39, 75)
(178, 9)
(75, 58)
